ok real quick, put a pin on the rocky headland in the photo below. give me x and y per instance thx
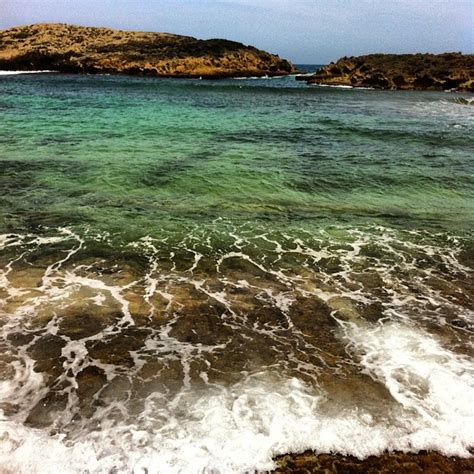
(78, 49)
(448, 71)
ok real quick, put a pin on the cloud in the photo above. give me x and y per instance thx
(301, 30)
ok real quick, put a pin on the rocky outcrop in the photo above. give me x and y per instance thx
(400, 463)
(77, 49)
(448, 71)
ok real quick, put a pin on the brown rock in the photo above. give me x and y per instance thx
(76, 49)
(400, 463)
(448, 71)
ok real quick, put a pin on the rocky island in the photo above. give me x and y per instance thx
(448, 71)
(78, 49)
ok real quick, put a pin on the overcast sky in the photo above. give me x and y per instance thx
(304, 31)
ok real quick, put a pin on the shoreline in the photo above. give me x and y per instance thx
(222, 77)
(211, 77)
(423, 461)
(19, 72)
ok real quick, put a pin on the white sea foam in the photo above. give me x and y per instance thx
(242, 427)
(12, 73)
(434, 386)
(253, 78)
(333, 86)
(238, 427)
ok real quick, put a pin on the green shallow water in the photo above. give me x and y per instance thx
(127, 152)
(197, 276)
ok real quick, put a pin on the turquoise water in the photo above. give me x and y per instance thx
(236, 149)
(202, 275)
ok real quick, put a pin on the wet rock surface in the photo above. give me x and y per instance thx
(77, 49)
(426, 462)
(276, 345)
(449, 71)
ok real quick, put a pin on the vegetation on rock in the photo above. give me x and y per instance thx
(448, 71)
(78, 49)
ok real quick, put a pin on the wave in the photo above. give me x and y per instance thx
(266, 77)
(464, 100)
(12, 73)
(241, 428)
(349, 340)
(333, 86)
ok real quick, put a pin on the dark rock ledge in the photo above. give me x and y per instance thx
(78, 49)
(396, 463)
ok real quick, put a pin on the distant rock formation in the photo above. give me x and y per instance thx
(448, 71)
(78, 49)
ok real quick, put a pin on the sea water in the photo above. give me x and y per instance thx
(198, 276)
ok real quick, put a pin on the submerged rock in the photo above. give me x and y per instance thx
(78, 49)
(448, 71)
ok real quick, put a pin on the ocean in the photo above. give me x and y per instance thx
(198, 276)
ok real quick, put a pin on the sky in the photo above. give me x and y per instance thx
(303, 31)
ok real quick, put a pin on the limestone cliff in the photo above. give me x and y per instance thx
(400, 71)
(76, 49)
